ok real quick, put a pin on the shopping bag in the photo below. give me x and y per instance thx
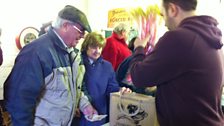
(132, 110)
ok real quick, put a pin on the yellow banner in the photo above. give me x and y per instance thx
(119, 15)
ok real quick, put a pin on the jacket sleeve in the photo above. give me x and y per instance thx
(22, 88)
(113, 85)
(163, 64)
(109, 53)
(85, 91)
(1, 57)
(84, 101)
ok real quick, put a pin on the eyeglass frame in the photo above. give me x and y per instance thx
(81, 32)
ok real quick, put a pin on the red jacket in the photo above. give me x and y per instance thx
(115, 51)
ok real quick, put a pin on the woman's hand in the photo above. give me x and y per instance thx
(124, 90)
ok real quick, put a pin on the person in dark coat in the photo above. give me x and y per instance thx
(99, 79)
(186, 67)
(44, 86)
(124, 77)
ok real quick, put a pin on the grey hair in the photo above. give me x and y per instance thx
(120, 28)
(59, 22)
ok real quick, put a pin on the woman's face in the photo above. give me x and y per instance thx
(124, 35)
(94, 52)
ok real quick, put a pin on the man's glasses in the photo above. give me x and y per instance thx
(81, 32)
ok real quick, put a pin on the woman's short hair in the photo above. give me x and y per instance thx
(120, 28)
(93, 39)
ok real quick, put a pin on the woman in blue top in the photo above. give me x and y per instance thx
(99, 79)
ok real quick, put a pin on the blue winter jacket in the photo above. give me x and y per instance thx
(43, 89)
(99, 81)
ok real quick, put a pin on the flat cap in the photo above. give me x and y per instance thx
(75, 15)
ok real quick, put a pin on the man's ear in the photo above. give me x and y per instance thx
(65, 26)
(173, 10)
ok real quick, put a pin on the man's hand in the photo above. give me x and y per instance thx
(89, 111)
(142, 42)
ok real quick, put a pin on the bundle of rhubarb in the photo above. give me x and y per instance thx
(147, 22)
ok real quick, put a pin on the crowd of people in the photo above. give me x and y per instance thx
(53, 83)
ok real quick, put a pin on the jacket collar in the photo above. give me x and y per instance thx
(115, 35)
(57, 41)
(86, 59)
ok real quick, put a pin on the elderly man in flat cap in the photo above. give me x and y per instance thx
(44, 86)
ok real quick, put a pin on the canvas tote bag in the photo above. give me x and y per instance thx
(132, 110)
